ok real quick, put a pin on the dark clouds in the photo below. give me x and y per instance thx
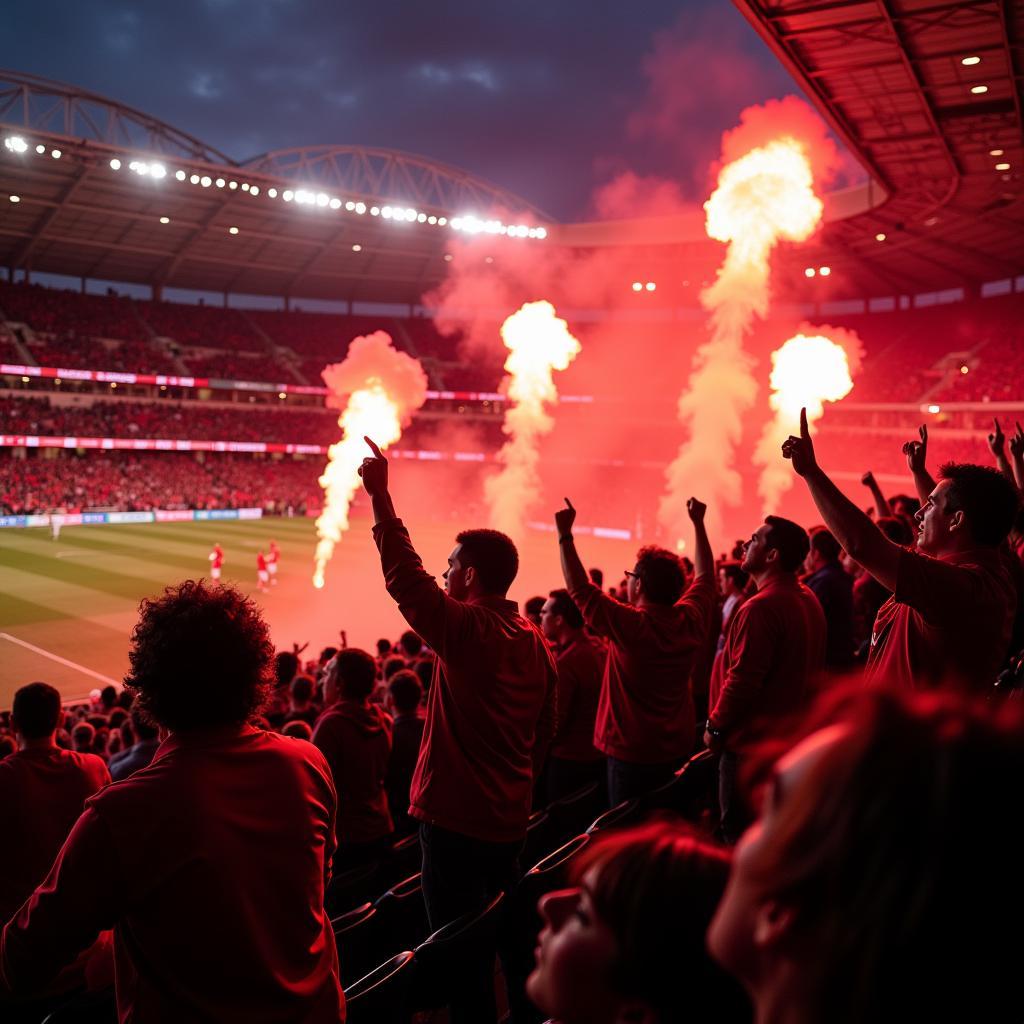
(545, 98)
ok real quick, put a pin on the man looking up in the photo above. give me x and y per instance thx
(772, 657)
(832, 585)
(573, 761)
(645, 718)
(950, 616)
(493, 678)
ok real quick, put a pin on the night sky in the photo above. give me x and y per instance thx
(548, 99)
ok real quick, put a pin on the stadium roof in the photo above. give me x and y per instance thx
(927, 95)
(93, 188)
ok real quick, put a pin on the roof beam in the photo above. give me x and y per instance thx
(22, 254)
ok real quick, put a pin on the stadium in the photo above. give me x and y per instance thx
(192, 348)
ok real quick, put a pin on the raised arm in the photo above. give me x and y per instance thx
(854, 530)
(917, 457)
(882, 506)
(1017, 455)
(997, 446)
(703, 556)
(573, 572)
(374, 472)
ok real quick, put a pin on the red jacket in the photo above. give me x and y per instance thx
(580, 666)
(42, 792)
(356, 740)
(492, 678)
(646, 711)
(771, 663)
(210, 866)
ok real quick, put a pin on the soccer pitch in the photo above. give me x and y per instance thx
(67, 607)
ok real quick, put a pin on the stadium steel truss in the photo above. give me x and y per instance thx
(92, 188)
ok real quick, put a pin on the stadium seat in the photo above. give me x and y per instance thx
(441, 960)
(690, 792)
(381, 996)
(618, 816)
(402, 912)
(573, 813)
(351, 888)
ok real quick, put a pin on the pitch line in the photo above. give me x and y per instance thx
(61, 661)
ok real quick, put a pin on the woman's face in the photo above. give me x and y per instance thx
(743, 933)
(576, 952)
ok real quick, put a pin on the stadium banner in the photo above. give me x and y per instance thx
(102, 518)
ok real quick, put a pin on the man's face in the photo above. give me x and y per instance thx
(550, 623)
(934, 521)
(633, 586)
(455, 576)
(755, 551)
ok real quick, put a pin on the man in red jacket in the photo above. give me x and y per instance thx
(493, 678)
(210, 863)
(355, 737)
(645, 719)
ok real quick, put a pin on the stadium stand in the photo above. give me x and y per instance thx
(204, 326)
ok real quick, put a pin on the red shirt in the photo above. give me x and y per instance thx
(210, 866)
(42, 792)
(492, 678)
(948, 622)
(217, 559)
(771, 662)
(356, 740)
(261, 563)
(580, 665)
(645, 714)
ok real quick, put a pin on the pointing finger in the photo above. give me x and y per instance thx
(373, 447)
(568, 505)
(804, 432)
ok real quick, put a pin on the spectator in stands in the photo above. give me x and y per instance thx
(405, 695)
(833, 587)
(573, 760)
(773, 655)
(300, 701)
(645, 720)
(141, 753)
(868, 594)
(493, 679)
(42, 792)
(215, 854)
(393, 665)
(950, 618)
(867, 891)
(298, 729)
(411, 645)
(83, 738)
(383, 648)
(355, 738)
(626, 941)
(532, 609)
(8, 746)
(732, 584)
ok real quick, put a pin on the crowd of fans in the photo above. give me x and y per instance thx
(62, 312)
(233, 366)
(834, 713)
(125, 481)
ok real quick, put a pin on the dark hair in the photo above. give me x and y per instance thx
(393, 665)
(661, 574)
(825, 544)
(897, 529)
(596, 577)
(406, 691)
(84, 735)
(562, 604)
(357, 673)
(36, 710)
(424, 669)
(411, 643)
(533, 607)
(897, 856)
(117, 717)
(326, 654)
(298, 729)
(8, 746)
(143, 728)
(286, 664)
(383, 647)
(200, 657)
(988, 500)
(735, 572)
(301, 689)
(108, 696)
(657, 887)
(494, 557)
(790, 540)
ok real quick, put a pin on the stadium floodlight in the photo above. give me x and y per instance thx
(158, 170)
(40, 149)
(1002, 167)
(115, 164)
(245, 186)
(970, 61)
(934, 409)
(322, 199)
(456, 223)
(996, 152)
(335, 203)
(350, 206)
(15, 199)
(442, 221)
(165, 220)
(220, 183)
(375, 211)
(810, 272)
(542, 232)
(206, 181)
(421, 217)
(288, 195)
(360, 207)
(638, 286)
(232, 230)
(16, 144)
(431, 219)
(194, 179)
(272, 192)
(824, 271)
(410, 215)
(357, 247)
(232, 185)
(385, 212)
(254, 190)
(880, 237)
(56, 154)
(978, 90)
(180, 175)
(650, 286)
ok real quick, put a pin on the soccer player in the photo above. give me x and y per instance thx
(56, 522)
(262, 576)
(272, 556)
(216, 561)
